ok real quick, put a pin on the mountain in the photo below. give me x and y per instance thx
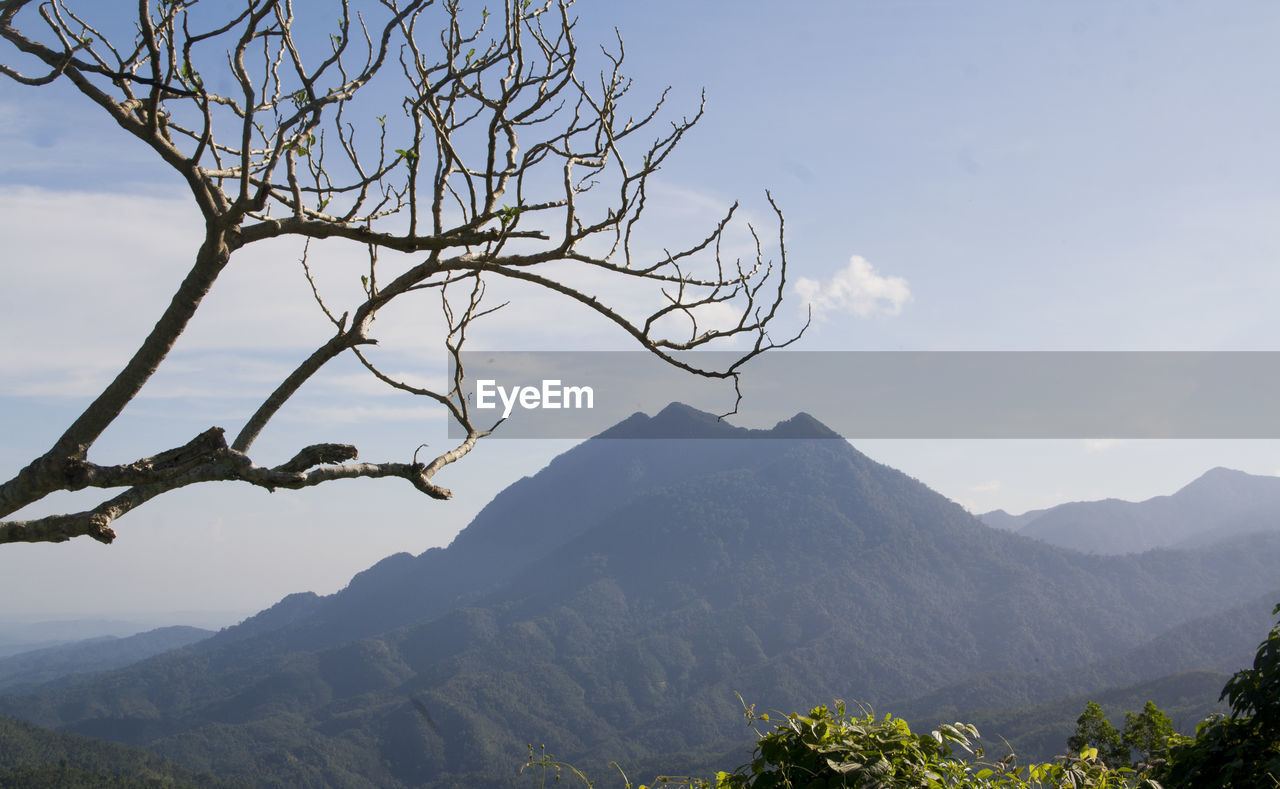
(94, 654)
(28, 636)
(1221, 503)
(611, 605)
(999, 519)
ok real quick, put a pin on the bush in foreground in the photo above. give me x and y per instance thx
(831, 748)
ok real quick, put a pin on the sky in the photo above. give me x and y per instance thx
(984, 176)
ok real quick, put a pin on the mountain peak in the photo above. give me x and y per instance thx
(1221, 473)
(1219, 504)
(803, 425)
(1227, 483)
(679, 420)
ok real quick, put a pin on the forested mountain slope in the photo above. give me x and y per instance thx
(611, 605)
(31, 757)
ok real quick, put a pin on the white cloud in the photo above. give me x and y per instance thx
(857, 289)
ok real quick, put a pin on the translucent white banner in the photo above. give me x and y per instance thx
(893, 394)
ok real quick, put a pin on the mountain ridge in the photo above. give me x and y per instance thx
(1219, 503)
(632, 584)
(49, 664)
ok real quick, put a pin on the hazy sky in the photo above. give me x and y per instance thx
(955, 176)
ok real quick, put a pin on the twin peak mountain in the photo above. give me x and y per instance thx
(612, 604)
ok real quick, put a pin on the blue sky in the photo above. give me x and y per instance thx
(976, 176)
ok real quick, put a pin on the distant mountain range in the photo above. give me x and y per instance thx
(611, 605)
(40, 666)
(1219, 505)
(26, 632)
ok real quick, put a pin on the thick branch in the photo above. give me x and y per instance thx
(230, 465)
(314, 228)
(59, 528)
(46, 474)
(210, 260)
(316, 454)
(166, 465)
(51, 474)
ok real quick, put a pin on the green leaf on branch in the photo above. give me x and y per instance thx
(509, 214)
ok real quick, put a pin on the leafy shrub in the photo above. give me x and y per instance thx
(1240, 750)
(827, 748)
(1148, 734)
(1093, 730)
(833, 749)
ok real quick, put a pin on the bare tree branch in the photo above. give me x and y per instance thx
(502, 157)
(227, 465)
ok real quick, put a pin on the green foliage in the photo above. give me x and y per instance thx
(31, 757)
(1079, 771)
(824, 749)
(1242, 749)
(828, 749)
(832, 749)
(62, 776)
(1093, 730)
(1148, 732)
(1254, 693)
(509, 213)
(1222, 754)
